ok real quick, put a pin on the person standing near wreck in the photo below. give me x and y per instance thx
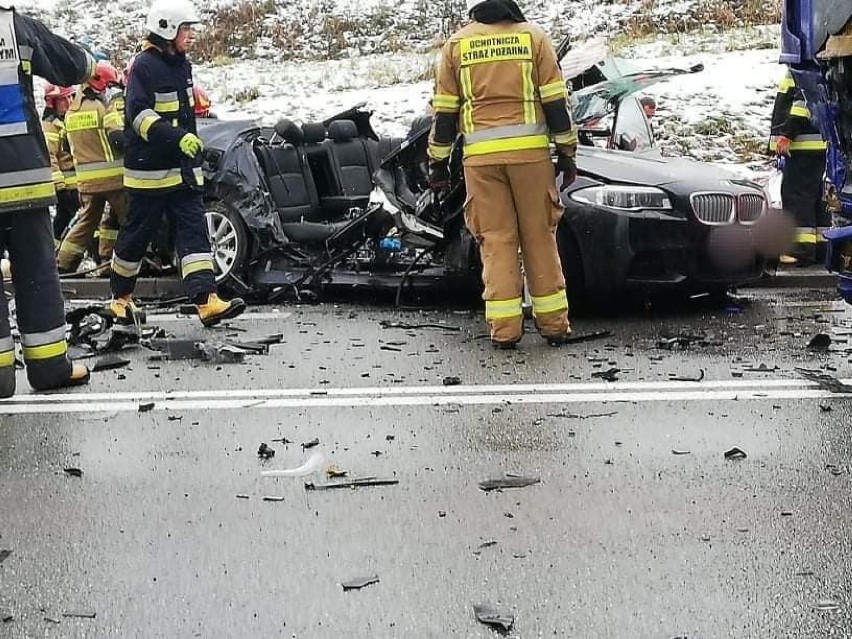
(27, 48)
(499, 84)
(163, 167)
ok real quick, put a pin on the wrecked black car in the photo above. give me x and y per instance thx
(301, 208)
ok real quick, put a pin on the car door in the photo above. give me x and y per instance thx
(631, 130)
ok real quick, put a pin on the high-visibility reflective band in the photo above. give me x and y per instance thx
(27, 66)
(800, 112)
(566, 138)
(550, 303)
(786, 84)
(140, 119)
(509, 144)
(502, 132)
(195, 263)
(467, 101)
(7, 343)
(503, 309)
(124, 268)
(99, 171)
(162, 179)
(52, 137)
(110, 235)
(27, 193)
(68, 247)
(113, 119)
(48, 351)
(445, 102)
(7, 358)
(808, 145)
(26, 176)
(440, 151)
(70, 178)
(806, 238)
(44, 338)
(166, 102)
(553, 90)
(146, 125)
(81, 121)
(495, 47)
(198, 174)
(58, 177)
(529, 92)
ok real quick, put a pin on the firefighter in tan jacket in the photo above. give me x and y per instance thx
(57, 100)
(95, 129)
(500, 86)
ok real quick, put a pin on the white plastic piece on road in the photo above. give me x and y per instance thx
(314, 464)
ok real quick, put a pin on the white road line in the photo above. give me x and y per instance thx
(426, 399)
(604, 389)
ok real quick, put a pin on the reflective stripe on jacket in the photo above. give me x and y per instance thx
(159, 111)
(61, 161)
(88, 123)
(792, 119)
(26, 178)
(498, 79)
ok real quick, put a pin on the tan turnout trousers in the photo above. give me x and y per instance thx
(511, 207)
(93, 216)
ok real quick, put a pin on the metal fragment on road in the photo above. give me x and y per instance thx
(494, 615)
(274, 498)
(358, 482)
(4, 555)
(312, 465)
(80, 615)
(675, 451)
(508, 482)
(146, 407)
(110, 362)
(411, 327)
(610, 375)
(452, 380)
(827, 605)
(73, 472)
(735, 453)
(314, 442)
(359, 582)
(265, 452)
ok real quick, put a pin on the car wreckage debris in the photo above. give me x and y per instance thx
(359, 582)
(452, 380)
(825, 381)
(6, 616)
(586, 337)
(73, 472)
(80, 614)
(313, 464)
(146, 407)
(197, 350)
(357, 482)
(314, 442)
(414, 327)
(494, 615)
(508, 482)
(4, 555)
(610, 375)
(110, 362)
(735, 454)
(688, 378)
(265, 452)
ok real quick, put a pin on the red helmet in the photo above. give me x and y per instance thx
(53, 92)
(202, 102)
(105, 76)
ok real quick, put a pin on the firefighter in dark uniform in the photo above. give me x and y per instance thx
(796, 139)
(162, 164)
(500, 85)
(27, 189)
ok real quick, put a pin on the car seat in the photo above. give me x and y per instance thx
(350, 166)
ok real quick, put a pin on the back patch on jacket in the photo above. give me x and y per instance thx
(13, 119)
(498, 47)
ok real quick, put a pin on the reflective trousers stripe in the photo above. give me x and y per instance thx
(507, 144)
(108, 234)
(195, 263)
(7, 358)
(503, 309)
(27, 193)
(503, 132)
(161, 179)
(27, 176)
(43, 338)
(566, 138)
(124, 268)
(48, 351)
(550, 303)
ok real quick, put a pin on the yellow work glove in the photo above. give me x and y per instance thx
(191, 145)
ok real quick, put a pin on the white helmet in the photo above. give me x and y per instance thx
(472, 3)
(166, 16)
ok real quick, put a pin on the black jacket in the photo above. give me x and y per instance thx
(25, 175)
(792, 119)
(159, 111)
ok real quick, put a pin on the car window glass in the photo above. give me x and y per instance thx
(632, 131)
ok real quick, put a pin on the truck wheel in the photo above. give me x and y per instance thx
(229, 239)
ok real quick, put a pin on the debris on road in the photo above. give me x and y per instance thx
(575, 416)
(243, 496)
(759, 368)
(265, 452)
(414, 327)
(681, 342)
(335, 473)
(314, 442)
(357, 482)
(827, 605)
(508, 482)
(452, 381)
(674, 377)
(360, 582)
(494, 615)
(587, 337)
(144, 408)
(735, 453)
(6, 616)
(610, 375)
(198, 350)
(820, 343)
(80, 615)
(834, 469)
(110, 362)
(825, 381)
(675, 451)
(273, 498)
(4, 555)
(73, 472)
(313, 465)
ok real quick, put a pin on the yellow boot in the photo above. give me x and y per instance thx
(215, 309)
(79, 375)
(125, 311)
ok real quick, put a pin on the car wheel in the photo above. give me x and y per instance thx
(229, 240)
(572, 269)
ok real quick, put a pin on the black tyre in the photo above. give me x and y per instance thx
(231, 244)
(572, 268)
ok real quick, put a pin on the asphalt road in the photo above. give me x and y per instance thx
(639, 527)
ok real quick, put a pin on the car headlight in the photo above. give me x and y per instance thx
(624, 198)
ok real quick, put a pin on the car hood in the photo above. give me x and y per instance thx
(649, 169)
(221, 134)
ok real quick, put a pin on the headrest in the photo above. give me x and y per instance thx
(289, 131)
(342, 130)
(314, 132)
